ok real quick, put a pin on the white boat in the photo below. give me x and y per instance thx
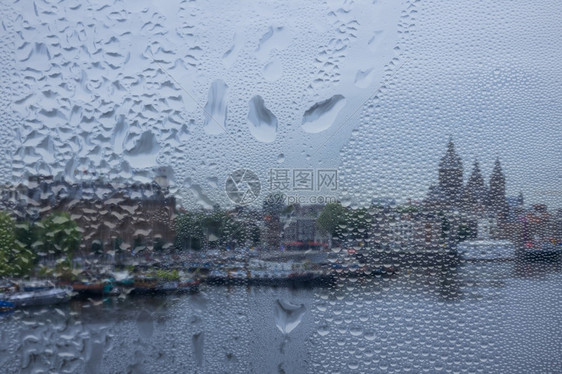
(487, 250)
(227, 276)
(188, 285)
(542, 250)
(35, 285)
(39, 297)
(168, 286)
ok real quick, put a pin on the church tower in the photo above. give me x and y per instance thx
(450, 174)
(475, 193)
(497, 199)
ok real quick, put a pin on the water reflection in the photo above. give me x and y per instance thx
(473, 316)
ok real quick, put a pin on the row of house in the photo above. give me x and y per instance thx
(300, 231)
(142, 214)
(417, 227)
(453, 211)
(109, 216)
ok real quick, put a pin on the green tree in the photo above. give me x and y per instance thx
(27, 234)
(332, 220)
(358, 223)
(138, 243)
(214, 229)
(445, 228)
(97, 247)
(59, 235)
(189, 231)
(252, 233)
(220, 229)
(273, 206)
(117, 242)
(465, 233)
(15, 257)
(158, 244)
(240, 231)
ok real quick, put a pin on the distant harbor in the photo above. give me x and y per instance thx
(95, 238)
(297, 269)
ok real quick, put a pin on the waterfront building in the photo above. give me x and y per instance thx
(467, 209)
(109, 216)
(300, 230)
(497, 201)
(475, 193)
(451, 175)
(487, 228)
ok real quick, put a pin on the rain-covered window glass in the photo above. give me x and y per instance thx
(193, 186)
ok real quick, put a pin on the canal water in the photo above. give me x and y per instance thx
(471, 317)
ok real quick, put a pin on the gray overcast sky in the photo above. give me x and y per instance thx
(119, 89)
(486, 73)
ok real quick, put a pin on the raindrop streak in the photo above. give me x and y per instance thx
(275, 38)
(288, 315)
(197, 340)
(322, 115)
(144, 152)
(262, 123)
(273, 71)
(145, 325)
(216, 108)
(364, 78)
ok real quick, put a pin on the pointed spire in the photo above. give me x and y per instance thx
(451, 146)
(476, 167)
(520, 199)
(451, 160)
(451, 174)
(475, 191)
(497, 188)
(476, 174)
(497, 173)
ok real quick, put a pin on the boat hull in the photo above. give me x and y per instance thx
(42, 297)
(6, 306)
(188, 287)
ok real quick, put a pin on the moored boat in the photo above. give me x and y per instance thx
(6, 306)
(486, 250)
(123, 279)
(233, 276)
(39, 297)
(86, 287)
(92, 288)
(145, 285)
(168, 287)
(35, 285)
(188, 285)
(542, 250)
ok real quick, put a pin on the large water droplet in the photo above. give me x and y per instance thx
(145, 325)
(216, 108)
(197, 340)
(364, 78)
(273, 71)
(262, 123)
(144, 151)
(323, 114)
(275, 38)
(288, 315)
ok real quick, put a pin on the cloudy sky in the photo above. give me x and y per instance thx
(485, 74)
(372, 89)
